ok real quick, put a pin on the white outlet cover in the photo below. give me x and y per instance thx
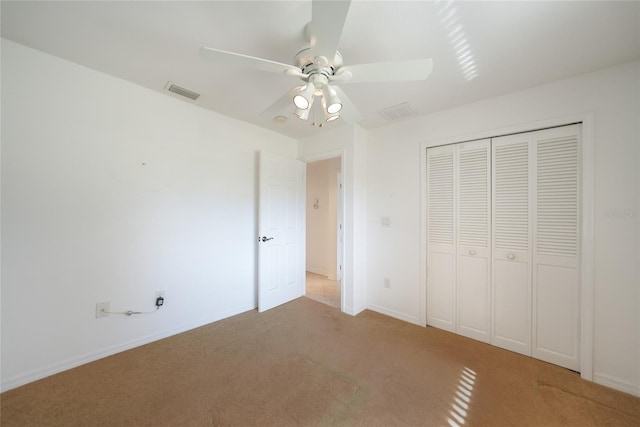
(101, 307)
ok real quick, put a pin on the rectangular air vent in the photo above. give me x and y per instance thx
(172, 87)
(397, 112)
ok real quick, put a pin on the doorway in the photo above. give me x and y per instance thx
(324, 231)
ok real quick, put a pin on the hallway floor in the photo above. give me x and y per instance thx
(321, 289)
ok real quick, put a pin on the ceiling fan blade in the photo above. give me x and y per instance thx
(396, 71)
(280, 105)
(349, 112)
(240, 60)
(327, 22)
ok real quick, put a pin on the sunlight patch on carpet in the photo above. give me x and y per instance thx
(462, 398)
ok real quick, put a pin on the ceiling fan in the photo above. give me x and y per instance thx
(320, 65)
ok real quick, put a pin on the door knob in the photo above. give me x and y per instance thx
(510, 257)
(265, 238)
(472, 252)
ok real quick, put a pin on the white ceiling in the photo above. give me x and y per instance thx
(515, 45)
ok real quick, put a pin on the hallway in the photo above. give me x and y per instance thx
(321, 289)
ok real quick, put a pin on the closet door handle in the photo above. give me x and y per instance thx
(472, 252)
(511, 257)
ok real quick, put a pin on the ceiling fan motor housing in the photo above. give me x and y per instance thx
(318, 69)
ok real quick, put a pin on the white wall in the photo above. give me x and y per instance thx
(322, 219)
(111, 191)
(393, 189)
(349, 142)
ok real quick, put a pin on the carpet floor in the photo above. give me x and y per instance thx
(307, 364)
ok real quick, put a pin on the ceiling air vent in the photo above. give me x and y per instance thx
(397, 112)
(172, 87)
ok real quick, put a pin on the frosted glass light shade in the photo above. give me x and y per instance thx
(332, 103)
(302, 114)
(304, 97)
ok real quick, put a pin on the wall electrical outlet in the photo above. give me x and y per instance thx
(387, 282)
(101, 307)
(156, 295)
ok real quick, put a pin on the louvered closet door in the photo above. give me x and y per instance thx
(555, 257)
(473, 234)
(441, 262)
(511, 243)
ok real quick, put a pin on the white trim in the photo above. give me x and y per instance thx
(422, 288)
(346, 285)
(616, 383)
(320, 272)
(324, 156)
(74, 362)
(587, 248)
(508, 130)
(395, 314)
(340, 228)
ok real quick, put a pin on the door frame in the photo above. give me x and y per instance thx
(340, 230)
(587, 232)
(344, 285)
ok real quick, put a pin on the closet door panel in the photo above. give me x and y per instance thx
(473, 297)
(473, 236)
(512, 306)
(441, 238)
(556, 295)
(511, 243)
(441, 290)
(556, 286)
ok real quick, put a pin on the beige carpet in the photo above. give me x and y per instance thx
(307, 364)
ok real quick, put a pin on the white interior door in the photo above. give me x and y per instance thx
(556, 284)
(281, 243)
(511, 243)
(441, 238)
(473, 232)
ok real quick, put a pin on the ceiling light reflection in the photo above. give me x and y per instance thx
(455, 31)
(457, 38)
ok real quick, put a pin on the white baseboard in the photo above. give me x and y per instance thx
(354, 311)
(395, 314)
(58, 367)
(616, 383)
(318, 271)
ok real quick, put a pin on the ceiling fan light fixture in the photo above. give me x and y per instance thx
(302, 114)
(304, 98)
(331, 102)
(334, 108)
(332, 118)
(301, 102)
